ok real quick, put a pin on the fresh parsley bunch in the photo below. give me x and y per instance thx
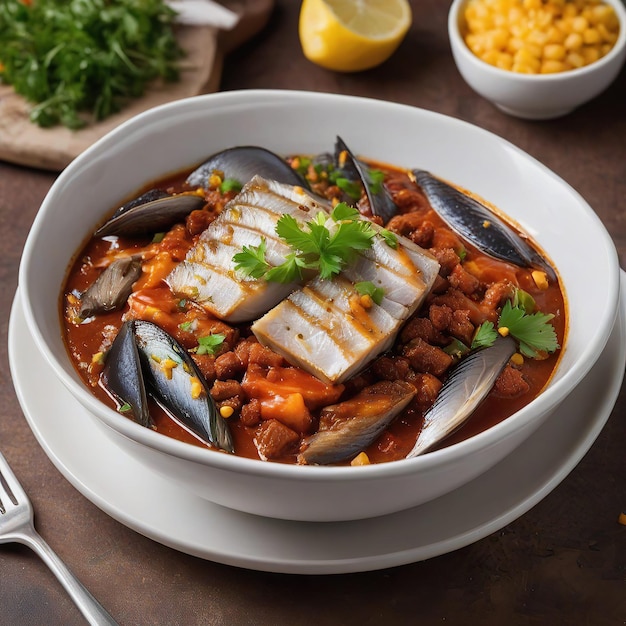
(71, 57)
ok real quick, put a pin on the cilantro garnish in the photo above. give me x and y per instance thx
(210, 344)
(251, 260)
(230, 184)
(91, 56)
(368, 288)
(376, 178)
(485, 335)
(533, 331)
(324, 244)
(390, 238)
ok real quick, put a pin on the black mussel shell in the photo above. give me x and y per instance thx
(381, 203)
(354, 426)
(465, 388)
(170, 374)
(152, 212)
(478, 225)
(123, 379)
(111, 289)
(242, 163)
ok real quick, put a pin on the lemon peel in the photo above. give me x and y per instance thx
(352, 35)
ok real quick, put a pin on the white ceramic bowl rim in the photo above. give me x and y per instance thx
(473, 445)
(454, 19)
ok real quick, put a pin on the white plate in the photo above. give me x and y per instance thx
(152, 506)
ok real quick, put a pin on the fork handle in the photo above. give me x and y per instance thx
(93, 611)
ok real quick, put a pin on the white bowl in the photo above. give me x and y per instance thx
(180, 135)
(535, 96)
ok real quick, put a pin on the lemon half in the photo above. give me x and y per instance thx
(352, 35)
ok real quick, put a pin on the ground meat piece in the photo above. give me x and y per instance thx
(405, 224)
(427, 386)
(228, 365)
(448, 260)
(511, 383)
(497, 293)
(461, 327)
(235, 403)
(206, 365)
(242, 349)
(198, 221)
(423, 236)
(426, 358)
(463, 281)
(455, 299)
(440, 316)
(274, 439)
(250, 414)
(407, 200)
(264, 356)
(391, 368)
(223, 389)
(421, 327)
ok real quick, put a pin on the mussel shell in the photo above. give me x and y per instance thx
(111, 289)
(478, 225)
(242, 163)
(381, 203)
(172, 386)
(152, 212)
(356, 422)
(122, 376)
(466, 387)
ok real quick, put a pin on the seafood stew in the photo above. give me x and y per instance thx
(322, 313)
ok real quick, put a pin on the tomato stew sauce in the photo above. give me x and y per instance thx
(471, 288)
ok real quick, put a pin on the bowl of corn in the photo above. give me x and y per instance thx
(538, 59)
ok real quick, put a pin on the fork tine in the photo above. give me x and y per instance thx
(18, 526)
(9, 485)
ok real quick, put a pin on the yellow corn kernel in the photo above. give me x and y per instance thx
(517, 359)
(591, 36)
(360, 459)
(540, 278)
(226, 411)
(552, 67)
(579, 24)
(591, 55)
(98, 358)
(167, 365)
(574, 41)
(366, 301)
(554, 52)
(504, 331)
(575, 59)
(215, 180)
(196, 387)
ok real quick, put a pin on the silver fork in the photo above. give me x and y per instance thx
(17, 525)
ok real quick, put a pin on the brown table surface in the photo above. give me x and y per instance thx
(563, 562)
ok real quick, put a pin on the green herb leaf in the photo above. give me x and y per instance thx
(210, 344)
(456, 348)
(534, 332)
(230, 184)
(390, 238)
(376, 178)
(350, 187)
(368, 288)
(124, 408)
(251, 260)
(81, 58)
(524, 301)
(288, 271)
(484, 336)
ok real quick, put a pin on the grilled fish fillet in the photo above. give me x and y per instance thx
(208, 276)
(329, 330)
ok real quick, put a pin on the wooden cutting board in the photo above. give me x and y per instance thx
(24, 143)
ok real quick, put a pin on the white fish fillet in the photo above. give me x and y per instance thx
(324, 327)
(208, 275)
